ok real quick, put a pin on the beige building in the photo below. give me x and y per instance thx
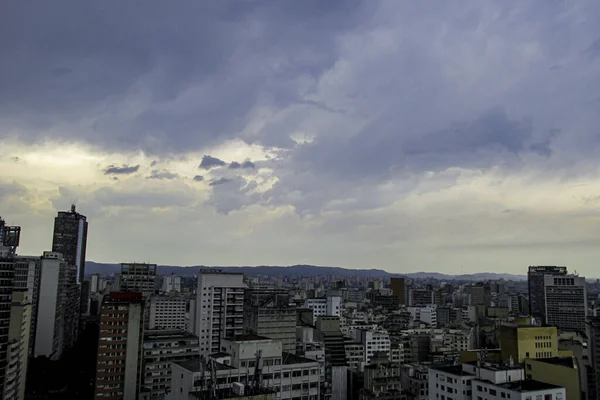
(18, 346)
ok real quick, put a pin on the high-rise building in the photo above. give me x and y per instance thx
(136, 277)
(535, 281)
(219, 309)
(70, 239)
(27, 276)
(10, 240)
(119, 361)
(593, 389)
(95, 283)
(398, 286)
(268, 313)
(18, 346)
(566, 302)
(57, 320)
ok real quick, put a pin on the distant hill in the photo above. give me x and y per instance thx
(303, 270)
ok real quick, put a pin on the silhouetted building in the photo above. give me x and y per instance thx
(70, 239)
(398, 286)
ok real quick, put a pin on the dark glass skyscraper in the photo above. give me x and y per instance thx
(70, 239)
(537, 297)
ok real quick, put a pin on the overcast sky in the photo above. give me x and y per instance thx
(449, 136)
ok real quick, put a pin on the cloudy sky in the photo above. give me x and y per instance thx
(450, 136)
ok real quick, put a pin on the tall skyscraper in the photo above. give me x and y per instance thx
(10, 240)
(535, 280)
(119, 361)
(219, 310)
(398, 286)
(70, 239)
(57, 321)
(566, 302)
(18, 346)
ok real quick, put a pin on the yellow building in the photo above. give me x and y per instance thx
(17, 350)
(556, 371)
(523, 342)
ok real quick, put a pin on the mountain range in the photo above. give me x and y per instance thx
(302, 270)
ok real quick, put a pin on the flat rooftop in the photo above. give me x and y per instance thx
(527, 386)
(194, 366)
(244, 338)
(289, 358)
(456, 370)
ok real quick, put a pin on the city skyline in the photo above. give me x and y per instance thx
(364, 134)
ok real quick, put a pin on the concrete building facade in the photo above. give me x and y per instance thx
(169, 312)
(565, 302)
(119, 361)
(70, 239)
(56, 326)
(219, 308)
(18, 346)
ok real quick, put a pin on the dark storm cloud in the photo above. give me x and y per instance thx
(195, 70)
(245, 165)
(220, 181)
(125, 169)
(209, 162)
(162, 174)
(198, 178)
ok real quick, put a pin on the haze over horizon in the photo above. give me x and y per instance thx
(459, 138)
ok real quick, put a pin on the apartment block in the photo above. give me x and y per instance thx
(119, 361)
(161, 348)
(219, 308)
(169, 312)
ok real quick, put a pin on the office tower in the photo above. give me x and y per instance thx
(422, 296)
(58, 307)
(171, 283)
(10, 240)
(84, 304)
(336, 367)
(325, 306)
(268, 313)
(219, 308)
(18, 346)
(566, 302)
(136, 277)
(535, 281)
(169, 312)
(70, 239)
(161, 348)
(398, 286)
(119, 366)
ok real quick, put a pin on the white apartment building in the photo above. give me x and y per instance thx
(325, 306)
(58, 305)
(488, 381)
(171, 283)
(167, 312)
(289, 375)
(219, 308)
(373, 342)
(427, 314)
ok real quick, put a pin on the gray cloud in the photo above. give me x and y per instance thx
(209, 162)
(198, 178)
(162, 174)
(220, 181)
(246, 165)
(125, 169)
(235, 195)
(190, 91)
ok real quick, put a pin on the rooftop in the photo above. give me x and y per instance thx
(161, 335)
(195, 366)
(563, 361)
(527, 386)
(289, 358)
(456, 370)
(244, 338)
